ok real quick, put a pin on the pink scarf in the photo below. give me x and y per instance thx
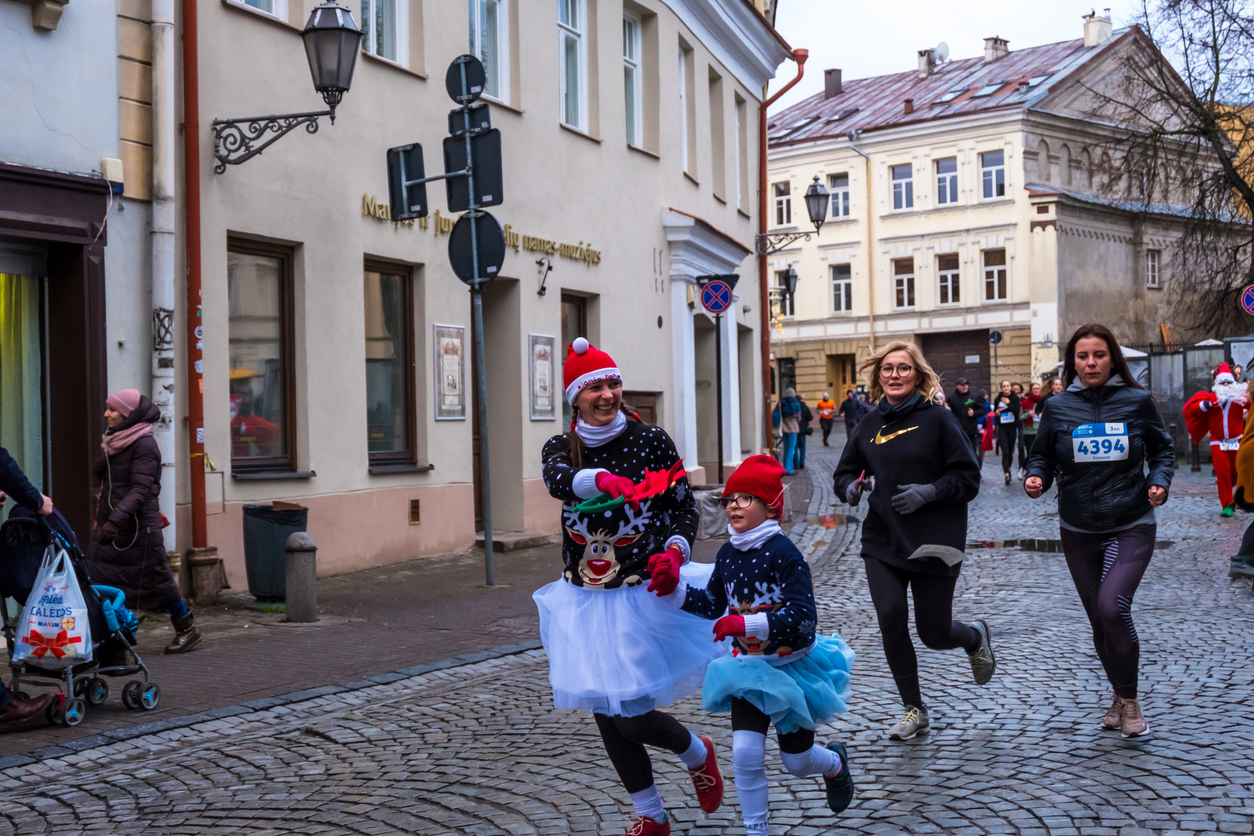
(119, 441)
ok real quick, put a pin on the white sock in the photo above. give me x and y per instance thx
(649, 803)
(696, 754)
(817, 761)
(749, 762)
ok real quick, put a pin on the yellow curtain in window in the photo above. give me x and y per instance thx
(21, 398)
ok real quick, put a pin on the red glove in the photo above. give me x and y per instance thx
(664, 571)
(729, 625)
(615, 486)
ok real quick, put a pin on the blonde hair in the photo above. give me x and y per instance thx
(929, 385)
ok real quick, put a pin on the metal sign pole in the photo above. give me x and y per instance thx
(718, 376)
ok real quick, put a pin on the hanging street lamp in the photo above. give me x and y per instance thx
(817, 200)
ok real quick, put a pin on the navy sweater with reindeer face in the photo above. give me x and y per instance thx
(773, 579)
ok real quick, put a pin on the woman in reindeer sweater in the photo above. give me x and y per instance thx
(614, 649)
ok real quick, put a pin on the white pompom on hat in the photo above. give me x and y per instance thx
(585, 365)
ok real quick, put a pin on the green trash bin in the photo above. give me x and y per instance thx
(266, 530)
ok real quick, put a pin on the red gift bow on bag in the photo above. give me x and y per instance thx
(42, 644)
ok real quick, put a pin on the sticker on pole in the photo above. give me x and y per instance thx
(1247, 300)
(716, 296)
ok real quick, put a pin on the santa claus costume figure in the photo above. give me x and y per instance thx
(1221, 413)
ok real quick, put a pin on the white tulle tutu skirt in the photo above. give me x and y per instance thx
(623, 651)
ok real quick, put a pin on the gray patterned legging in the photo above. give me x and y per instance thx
(1107, 569)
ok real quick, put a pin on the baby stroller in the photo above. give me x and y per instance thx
(24, 538)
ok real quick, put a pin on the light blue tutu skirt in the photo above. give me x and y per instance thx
(796, 695)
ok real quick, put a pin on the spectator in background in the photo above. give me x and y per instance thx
(963, 406)
(804, 421)
(1027, 434)
(790, 425)
(851, 410)
(1239, 373)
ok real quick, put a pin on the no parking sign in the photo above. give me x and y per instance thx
(1247, 300)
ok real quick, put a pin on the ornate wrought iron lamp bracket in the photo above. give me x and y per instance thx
(238, 140)
(773, 242)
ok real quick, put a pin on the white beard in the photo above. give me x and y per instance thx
(1229, 393)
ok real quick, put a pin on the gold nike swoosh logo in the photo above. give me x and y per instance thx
(884, 439)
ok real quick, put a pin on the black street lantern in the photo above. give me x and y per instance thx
(332, 41)
(789, 278)
(817, 199)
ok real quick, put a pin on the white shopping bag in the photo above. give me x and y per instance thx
(53, 632)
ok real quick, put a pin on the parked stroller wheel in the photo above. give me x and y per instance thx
(53, 711)
(97, 691)
(130, 693)
(73, 711)
(150, 697)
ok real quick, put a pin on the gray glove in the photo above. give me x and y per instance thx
(913, 497)
(853, 494)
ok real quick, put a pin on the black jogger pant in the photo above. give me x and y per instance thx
(1107, 569)
(626, 737)
(826, 425)
(1007, 438)
(933, 619)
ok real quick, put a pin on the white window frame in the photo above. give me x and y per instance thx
(992, 177)
(946, 183)
(278, 8)
(633, 29)
(576, 31)
(1153, 265)
(684, 138)
(400, 12)
(787, 304)
(840, 194)
(476, 8)
(996, 277)
(948, 282)
(742, 129)
(842, 289)
(783, 203)
(903, 188)
(903, 286)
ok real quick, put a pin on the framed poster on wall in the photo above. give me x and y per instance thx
(450, 373)
(541, 350)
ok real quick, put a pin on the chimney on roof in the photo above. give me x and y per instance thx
(1097, 30)
(831, 84)
(909, 105)
(995, 48)
(927, 62)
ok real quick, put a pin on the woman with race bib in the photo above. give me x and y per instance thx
(1096, 439)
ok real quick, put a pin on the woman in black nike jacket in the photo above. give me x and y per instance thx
(918, 466)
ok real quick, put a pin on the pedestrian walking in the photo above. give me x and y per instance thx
(782, 672)
(1027, 432)
(615, 649)
(129, 550)
(790, 426)
(827, 416)
(804, 429)
(1221, 413)
(1097, 439)
(917, 464)
(1006, 412)
(963, 406)
(851, 410)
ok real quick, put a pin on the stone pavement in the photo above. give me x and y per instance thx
(476, 747)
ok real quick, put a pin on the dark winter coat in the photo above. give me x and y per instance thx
(14, 483)
(807, 417)
(959, 403)
(130, 482)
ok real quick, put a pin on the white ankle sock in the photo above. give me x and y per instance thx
(649, 803)
(696, 754)
(749, 761)
(817, 761)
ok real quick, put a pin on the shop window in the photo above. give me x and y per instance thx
(261, 352)
(391, 408)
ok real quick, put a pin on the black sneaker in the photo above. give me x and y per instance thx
(840, 787)
(983, 663)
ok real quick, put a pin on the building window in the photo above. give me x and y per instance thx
(278, 8)
(946, 181)
(573, 60)
(391, 408)
(993, 173)
(489, 42)
(948, 280)
(631, 80)
(787, 304)
(383, 29)
(742, 150)
(787, 374)
(903, 186)
(903, 283)
(995, 289)
(687, 110)
(1151, 269)
(842, 288)
(718, 129)
(261, 346)
(783, 204)
(838, 187)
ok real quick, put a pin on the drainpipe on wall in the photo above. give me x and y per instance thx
(870, 240)
(163, 266)
(764, 296)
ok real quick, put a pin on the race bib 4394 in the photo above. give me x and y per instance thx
(1100, 442)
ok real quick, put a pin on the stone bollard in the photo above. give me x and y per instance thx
(208, 576)
(302, 578)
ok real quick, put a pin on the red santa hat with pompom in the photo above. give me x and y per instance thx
(1223, 374)
(586, 365)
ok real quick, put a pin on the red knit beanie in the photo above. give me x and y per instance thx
(762, 477)
(124, 401)
(586, 365)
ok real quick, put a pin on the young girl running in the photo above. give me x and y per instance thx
(780, 672)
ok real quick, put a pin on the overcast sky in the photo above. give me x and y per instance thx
(876, 38)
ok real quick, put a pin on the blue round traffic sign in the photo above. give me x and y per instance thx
(716, 296)
(1247, 300)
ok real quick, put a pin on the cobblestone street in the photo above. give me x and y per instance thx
(476, 747)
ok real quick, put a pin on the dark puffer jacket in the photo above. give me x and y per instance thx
(130, 483)
(1102, 496)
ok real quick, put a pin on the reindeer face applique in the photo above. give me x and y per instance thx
(601, 536)
(766, 597)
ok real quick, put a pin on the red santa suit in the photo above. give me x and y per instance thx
(1221, 413)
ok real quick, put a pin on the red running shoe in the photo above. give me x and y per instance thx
(646, 826)
(706, 779)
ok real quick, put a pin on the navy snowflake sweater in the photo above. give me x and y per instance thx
(773, 580)
(612, 549)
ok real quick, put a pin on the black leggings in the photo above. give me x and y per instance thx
(626, 737)
(747, 717)
(1107, 569)
(1007, 437)
(933, 619)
